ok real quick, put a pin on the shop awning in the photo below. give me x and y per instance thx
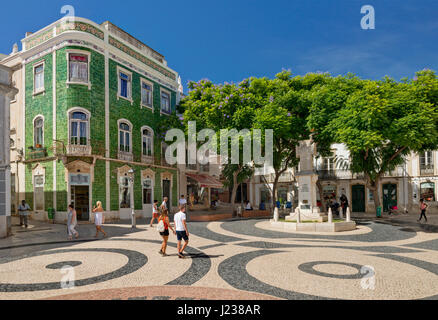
(206, 181)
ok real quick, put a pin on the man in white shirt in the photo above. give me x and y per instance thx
(182, 201)
(23, 210)
(181, 230)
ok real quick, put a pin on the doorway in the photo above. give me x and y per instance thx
(80, 197)
(358, 198)
(166, 192)
(148, 195)
(389, 196)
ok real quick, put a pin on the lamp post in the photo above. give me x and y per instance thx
(131, 181)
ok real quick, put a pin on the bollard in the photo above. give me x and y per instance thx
(330, 216)
(276, 216)
(348, 214)
(133, 219)
(298, 216)
(341, 213)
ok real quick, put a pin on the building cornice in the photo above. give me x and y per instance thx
(96, 34)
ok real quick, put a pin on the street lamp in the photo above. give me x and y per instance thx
(131, 180)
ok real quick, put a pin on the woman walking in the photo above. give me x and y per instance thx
(72, 222)
(155, 212)
(99, 219)
(163, 229)
(423, 207)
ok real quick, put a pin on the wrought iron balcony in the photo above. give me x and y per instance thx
(426, 170)
(36, 153)
(75, 149)
(147, 159)
(332, 174)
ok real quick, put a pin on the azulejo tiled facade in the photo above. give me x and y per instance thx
(87, 113)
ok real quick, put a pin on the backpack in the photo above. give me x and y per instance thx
(160, 226)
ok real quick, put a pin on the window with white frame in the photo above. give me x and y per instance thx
(78, 128)
(38, 132)
(78, 68)
(38, 78)
(426, 159)
(165, 102)
(146, 94)
(124, 137)
(124, 84)
(148, 137)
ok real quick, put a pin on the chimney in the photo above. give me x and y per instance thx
(28, 34)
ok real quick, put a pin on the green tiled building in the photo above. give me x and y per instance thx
(92, 96)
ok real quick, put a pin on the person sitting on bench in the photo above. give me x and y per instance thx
(248, 206)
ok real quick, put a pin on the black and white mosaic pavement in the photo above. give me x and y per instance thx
(246, 255)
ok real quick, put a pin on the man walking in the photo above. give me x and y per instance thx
(182, 201)
(181, 230)
(23, 211)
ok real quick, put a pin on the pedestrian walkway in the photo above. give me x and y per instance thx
(240, 259)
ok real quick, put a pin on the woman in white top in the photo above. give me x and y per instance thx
(155, 212)
(99, 219)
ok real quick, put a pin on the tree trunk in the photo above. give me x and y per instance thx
(234, 192)
(373, 186)
(321, 196)
(274, 190)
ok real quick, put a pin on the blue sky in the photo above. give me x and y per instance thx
(231, 40)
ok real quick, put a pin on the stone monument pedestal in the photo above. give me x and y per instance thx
(307, 178)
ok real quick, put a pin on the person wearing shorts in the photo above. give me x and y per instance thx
(181, 230)
(155, 212)
(165, 234)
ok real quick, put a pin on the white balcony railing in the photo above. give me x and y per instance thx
(127, 156)
(147, 159)
(76, 149)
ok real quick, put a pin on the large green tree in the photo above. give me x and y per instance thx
(224, 106)
(285, 113)
(383, 121)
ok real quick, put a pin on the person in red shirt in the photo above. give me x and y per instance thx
(423, 207)
(164, 234)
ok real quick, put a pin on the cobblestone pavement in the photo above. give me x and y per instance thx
(388, 258)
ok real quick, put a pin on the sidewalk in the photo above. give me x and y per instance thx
(43, 232)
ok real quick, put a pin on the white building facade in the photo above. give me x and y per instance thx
(6, 91)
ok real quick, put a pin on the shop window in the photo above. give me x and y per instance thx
(427, 191)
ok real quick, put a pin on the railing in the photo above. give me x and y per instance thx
(36, 153)
(126, 156)
(147, 159)
(78, 149)
(337, 174)
(426, 170)
(284, 177)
